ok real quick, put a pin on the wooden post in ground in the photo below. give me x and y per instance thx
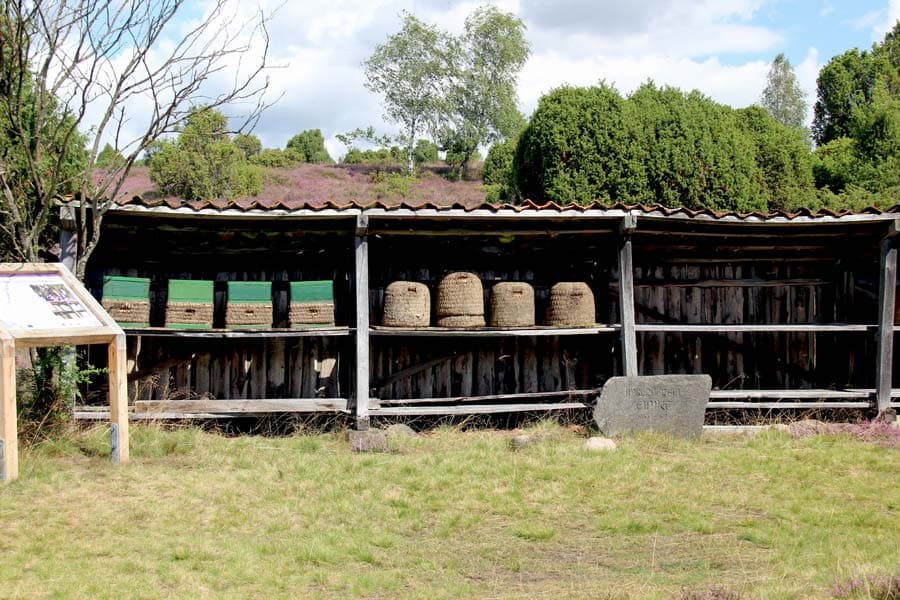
(626, 298)
(361, 289)
(9, 443)
(886, 298)
(118, 399)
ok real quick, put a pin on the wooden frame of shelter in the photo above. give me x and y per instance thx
(227, 377)
(106, 332)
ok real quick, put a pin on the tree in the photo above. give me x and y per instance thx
(660, 145)
(576, 149)
(484, 67)
(408, 71)
(41, 155)
(784, 171)
(203, 163)
(309, 146)
(249, 145)
(849, 83)
(783, 97)
(109, 158)
(102, 57)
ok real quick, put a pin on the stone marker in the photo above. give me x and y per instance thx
(673, 404)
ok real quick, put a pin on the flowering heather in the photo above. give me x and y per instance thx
(317, 185)
(878, 587)
(883, 433)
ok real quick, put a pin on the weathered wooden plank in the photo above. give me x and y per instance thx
(118, 398)
(243, 406)
(413, 369)
(529, 372)
(626, 300)
(484, 370)
(787, 393)
(202, 374)
(491, 332)
(9, 433)
(495, 397)
(295, 368)
(476, 409)
(310, 370)
(362, 373)
(276, 382)
(887, 289)
(327, 385)
(224, 334)
(786, 405)
(754, 328)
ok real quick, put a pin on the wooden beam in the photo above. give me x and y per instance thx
(476, 409)
(626, 298)
(361, 288)
(491, 332)
(751, 328)
(786, 405)
(118, 399)
(270, 405)
(222, 334)
(886, 301)
(797, 394)
(9, 450)
(492, 398)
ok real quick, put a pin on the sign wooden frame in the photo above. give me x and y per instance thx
(106, 332)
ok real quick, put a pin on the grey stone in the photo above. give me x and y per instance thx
(399, 430)
(674, 404)
(370, 440)
(599, 444)
(523, 440)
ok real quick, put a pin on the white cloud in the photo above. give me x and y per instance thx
(710, 45)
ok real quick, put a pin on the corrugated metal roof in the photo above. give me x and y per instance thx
(257, 206)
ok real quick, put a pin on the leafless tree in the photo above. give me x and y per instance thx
(78, 70)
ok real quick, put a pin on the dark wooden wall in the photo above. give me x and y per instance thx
(688, 275)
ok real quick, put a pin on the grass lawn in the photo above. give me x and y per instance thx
(448, 514)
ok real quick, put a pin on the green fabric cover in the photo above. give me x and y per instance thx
(312, 291)
(191, 290)
(249, 292)
(126, 288)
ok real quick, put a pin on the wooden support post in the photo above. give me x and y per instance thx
(361, 288)
(886, 298)
(626, 297)
(118, 398)
(9, 443)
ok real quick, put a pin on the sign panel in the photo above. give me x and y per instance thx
(42, 301)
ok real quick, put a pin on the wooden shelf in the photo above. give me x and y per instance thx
(752, 328)
(238, 333)
(490, 331)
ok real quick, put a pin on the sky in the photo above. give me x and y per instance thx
(721, 47)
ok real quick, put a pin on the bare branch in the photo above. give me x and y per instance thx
(88, 67)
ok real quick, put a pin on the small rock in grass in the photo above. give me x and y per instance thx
(523, 440)
(399, 430)
(371, 440)
(599, 444)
